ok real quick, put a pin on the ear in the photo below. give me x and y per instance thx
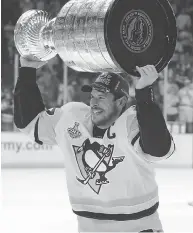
(122, 101)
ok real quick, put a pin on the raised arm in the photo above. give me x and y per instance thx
(27, 97)
(30, 115)
(153, 138)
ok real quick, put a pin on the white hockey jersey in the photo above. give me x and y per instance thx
(108, 175)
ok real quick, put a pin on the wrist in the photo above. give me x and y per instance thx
(145, 95)
(142, 85)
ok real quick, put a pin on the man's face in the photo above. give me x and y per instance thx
(104, 108)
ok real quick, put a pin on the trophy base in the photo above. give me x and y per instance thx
(140, 33)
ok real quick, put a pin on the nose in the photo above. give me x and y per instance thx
(94, 102)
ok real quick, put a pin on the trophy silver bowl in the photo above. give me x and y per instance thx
(101, 35)
(31, 35)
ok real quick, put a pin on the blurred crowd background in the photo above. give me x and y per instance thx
(179, 98)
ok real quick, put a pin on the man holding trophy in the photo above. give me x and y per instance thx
(108, 146)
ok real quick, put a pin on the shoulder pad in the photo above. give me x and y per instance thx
(131, 110)
(75, 107)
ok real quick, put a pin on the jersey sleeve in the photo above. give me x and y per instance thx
(42, 128)
(30, 114)
(134, 138)
(150, 158)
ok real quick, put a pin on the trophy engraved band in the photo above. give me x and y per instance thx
(101, 35)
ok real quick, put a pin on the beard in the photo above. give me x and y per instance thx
(105, 119)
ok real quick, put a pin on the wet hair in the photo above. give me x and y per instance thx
(117, 95)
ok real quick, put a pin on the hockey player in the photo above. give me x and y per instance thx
(108, 147)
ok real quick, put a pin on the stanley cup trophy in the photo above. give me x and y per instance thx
(101, 35)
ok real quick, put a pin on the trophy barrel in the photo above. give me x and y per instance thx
(115, 35)
(33, 35)
(79, 36)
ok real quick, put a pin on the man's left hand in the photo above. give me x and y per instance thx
(148, 74)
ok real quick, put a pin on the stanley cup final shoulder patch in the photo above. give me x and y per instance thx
(74, 132)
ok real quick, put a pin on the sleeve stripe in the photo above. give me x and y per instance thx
(36, 133)
(135, 139)
(172, 149)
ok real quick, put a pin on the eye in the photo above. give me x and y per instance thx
(101, 97)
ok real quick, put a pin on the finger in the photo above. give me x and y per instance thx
(149, 68)
(30, 58)
(145, 70)
(153, 68)
(140, 70)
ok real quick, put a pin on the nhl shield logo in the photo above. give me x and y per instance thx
(94, 161)
(74, 131)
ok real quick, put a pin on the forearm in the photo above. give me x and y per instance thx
(155, 138)
(27, 98)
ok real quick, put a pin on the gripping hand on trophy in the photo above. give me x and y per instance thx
(148, 75)
(30, 62)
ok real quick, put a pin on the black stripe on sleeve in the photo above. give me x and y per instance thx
(36, 133)
(135, 139)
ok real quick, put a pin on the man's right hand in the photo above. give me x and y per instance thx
(31, 62)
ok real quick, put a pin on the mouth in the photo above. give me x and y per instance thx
(97, 111)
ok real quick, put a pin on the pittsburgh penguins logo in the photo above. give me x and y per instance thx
(95, 161)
